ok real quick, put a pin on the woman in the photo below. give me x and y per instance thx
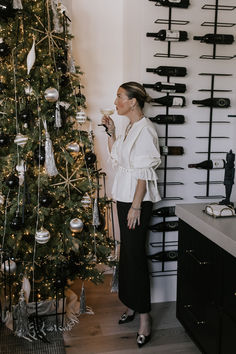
(136, 156)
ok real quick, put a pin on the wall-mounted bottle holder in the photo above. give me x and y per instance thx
(170, 22)
(209, 152)
(216, 8)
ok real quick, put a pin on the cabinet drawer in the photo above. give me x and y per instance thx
(228, 339)
(229, 286)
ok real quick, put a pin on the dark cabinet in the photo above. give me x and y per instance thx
(206, 292)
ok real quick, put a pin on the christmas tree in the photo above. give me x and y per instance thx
(51, 219)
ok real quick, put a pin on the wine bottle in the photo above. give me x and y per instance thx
(214, 102)
(168, 70)
(171, 150)
(165, 226)
(164, 211)
(215, 38)
(173, 3)
(170, 101)
(169, 35)
(209, 164)
(168, 119)
(167, 87)
(164, 256)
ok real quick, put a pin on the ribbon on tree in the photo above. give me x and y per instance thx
(50, 164)
(58, 28)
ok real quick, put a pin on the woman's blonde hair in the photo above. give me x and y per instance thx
(135, 90)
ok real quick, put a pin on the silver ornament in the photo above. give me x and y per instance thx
(2, 199)
(73, 147)
(76, 225)
(42, 236)
(81, 117)
(51, 94)
(8, 266)
(86, 201)
(21, 168)
(21, 139)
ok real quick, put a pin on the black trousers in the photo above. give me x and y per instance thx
(134, 282)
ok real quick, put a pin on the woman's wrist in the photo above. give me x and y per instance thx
(136, 208)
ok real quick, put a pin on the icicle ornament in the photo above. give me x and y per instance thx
(17, 5)
(58, 28)
(96, 220)
(58, 123)
(50, 164)
(31, 57)
(21, 168)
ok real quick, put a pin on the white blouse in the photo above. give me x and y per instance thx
(136, 157)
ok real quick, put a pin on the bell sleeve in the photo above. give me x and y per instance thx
(145, 155)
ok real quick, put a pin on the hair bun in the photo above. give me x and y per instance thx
(148, 99)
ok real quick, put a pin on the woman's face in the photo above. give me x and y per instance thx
(123, 103)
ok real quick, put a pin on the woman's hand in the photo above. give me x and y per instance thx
(133, 218)
(108, 122)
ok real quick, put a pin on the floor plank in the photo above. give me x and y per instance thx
(101, 333)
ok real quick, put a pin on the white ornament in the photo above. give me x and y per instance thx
(2, 199)
(42, 236)
(21, 168)
(26, 287)
(86, 201)
(29, 91)
(8, 266)
(76, 225)
(81, 117)
(31, 58)
(51, 94)
(17, 5)
(21, 139)
(73, 147)
(58, 123)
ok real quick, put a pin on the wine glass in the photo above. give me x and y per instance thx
(106, 112)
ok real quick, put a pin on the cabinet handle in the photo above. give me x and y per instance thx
(191, 253)
(195, 320)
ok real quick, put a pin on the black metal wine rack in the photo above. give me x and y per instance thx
(165, 245)
(210, 137)
(217, 24)
(170, 22)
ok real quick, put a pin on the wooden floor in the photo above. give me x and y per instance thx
(100, 333)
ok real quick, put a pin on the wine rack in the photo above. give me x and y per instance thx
(210, 137)
(170, 22)
(216, 8)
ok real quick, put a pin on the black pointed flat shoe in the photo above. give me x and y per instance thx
(142, 339)
(126, 318)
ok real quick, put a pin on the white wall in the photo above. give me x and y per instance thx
(111, 47)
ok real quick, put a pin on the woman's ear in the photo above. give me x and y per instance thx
(133, 102)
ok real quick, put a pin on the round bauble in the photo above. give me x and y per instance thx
(8, 266)
(42, 236)
(73, 147)
(76, 225)
(12, 181)
(4, 50)
(39, 155)
(26, 116)
(81, 117)
(4, 140)
(16, 223)
(2, 199)
(45, 200)
(86, 201)
(90, 158)
(51, 94)
(20, 139)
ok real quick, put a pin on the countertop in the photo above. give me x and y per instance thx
(222, 231)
